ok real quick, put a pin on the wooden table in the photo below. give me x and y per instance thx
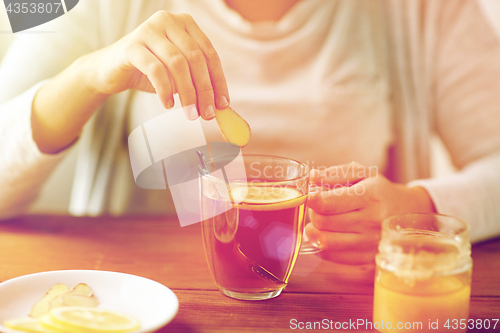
(159, 249)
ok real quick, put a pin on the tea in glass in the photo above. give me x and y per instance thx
(252, 247)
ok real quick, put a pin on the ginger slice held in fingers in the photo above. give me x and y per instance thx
(233, 127)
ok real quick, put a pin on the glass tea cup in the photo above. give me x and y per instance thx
(251, 247)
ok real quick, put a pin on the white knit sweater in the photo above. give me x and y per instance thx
(333, 81)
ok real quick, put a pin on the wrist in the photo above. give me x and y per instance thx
(62, 107)
(88, 67)
(422, 201)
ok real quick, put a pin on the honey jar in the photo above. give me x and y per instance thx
(423, 275)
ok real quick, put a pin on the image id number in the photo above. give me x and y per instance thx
(471, 324)
(27, 7)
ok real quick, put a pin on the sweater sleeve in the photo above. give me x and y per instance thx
(472, 195)
(23, 168)
(32, 59)
(467, 118)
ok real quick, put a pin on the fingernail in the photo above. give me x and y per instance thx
(191, 112)
(316, 243)
(210, 112)
(223, 102)
(170, 104)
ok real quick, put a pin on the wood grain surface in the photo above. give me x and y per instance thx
(159, 249)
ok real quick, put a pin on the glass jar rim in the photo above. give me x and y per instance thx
(385, 223)
(418, 249)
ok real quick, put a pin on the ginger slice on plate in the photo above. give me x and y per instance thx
(81, 289)
(79, 295)
(42, 305)
(61, 295)
(69, 299)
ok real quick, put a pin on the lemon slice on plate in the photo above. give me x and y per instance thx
(47, 322)
(31, 325)
(82, 319)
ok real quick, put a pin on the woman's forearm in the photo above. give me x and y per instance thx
(63, 106)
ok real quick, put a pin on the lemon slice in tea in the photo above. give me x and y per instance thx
(257, 197)
(83, 319)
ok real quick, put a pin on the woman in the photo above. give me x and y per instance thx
(325, 82)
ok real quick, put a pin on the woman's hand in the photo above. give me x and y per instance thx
(167, 54)
(348, 207)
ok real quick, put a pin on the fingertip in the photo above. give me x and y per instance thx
(167, 103)
(312, 198)
(209, 113)
(313, 190)
(223, 102)
(164, 103)
(191, 112)
(170, 103)
(308, 229)
(313, 234)
(314, 174)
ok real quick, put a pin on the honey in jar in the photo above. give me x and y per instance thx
(423, 274)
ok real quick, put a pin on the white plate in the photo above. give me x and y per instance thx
(151, 302)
